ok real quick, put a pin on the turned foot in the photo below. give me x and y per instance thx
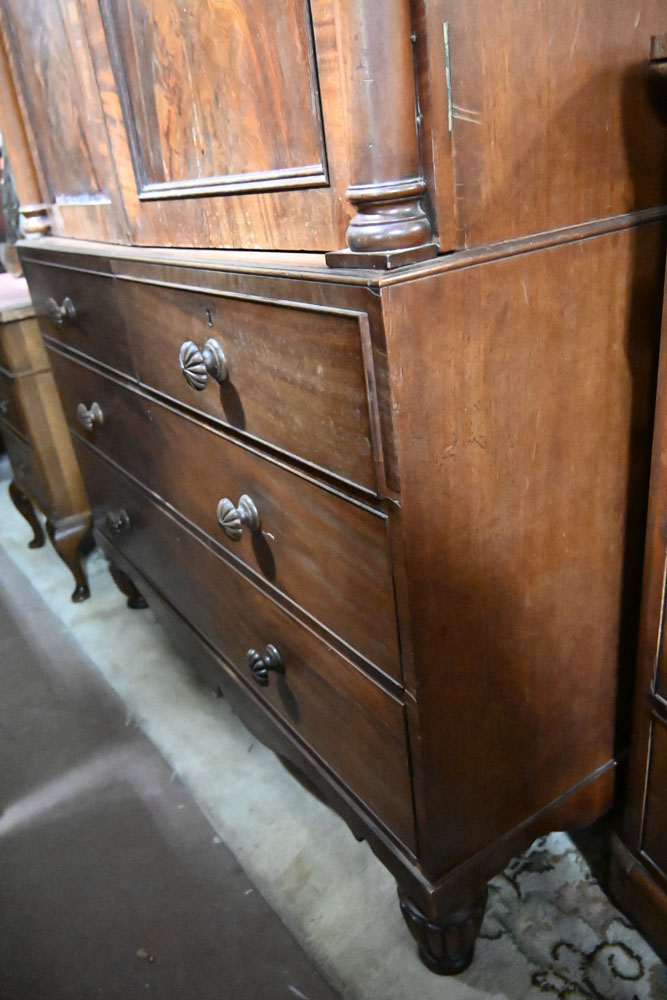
(71, 540)
(135, 600)
(24, 506)
(446, 944)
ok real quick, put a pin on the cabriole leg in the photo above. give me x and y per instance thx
(71, 539)
(25, 507)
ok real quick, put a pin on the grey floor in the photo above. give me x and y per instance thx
(112, 882)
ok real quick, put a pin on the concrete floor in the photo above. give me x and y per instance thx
(112, 882)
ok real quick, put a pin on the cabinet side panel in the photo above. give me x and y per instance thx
(524, 392)
(553, 120)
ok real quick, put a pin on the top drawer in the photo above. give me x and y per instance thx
(296, 376)
(79, 309)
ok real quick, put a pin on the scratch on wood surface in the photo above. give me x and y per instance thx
(574, 40)
(467, 114)
(525, 292)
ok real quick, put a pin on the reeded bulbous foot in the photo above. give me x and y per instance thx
(135, 600)
(447, 945)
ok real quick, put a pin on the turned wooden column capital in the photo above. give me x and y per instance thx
(35, 220)
(390, 226)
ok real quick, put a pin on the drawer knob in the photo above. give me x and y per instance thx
(89, 418)
(197, 365)
(4, 407)
(118, 521)
(58, 313)
(260, 665)
(233, 519)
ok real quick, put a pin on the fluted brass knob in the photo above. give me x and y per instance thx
(89, 418)
(233, 519)
(197, 365)
(118, 521)
(260, 666)
(58, 313)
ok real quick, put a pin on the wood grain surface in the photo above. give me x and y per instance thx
(296, 376)
(553, 114)
(523, 415)
(349, 721)
(324, 553)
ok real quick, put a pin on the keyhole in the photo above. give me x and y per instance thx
(209, 320)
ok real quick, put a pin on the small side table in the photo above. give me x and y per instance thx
(44, 467)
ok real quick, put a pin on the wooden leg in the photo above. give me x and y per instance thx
(135, 600)
(446, 943)
(71, 540)
(24, 506)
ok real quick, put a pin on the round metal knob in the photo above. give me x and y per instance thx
(197, 365)
(58, 313)
(88, 418)
(260, 666)
(233, 519)
(4, 407)
(118, 521)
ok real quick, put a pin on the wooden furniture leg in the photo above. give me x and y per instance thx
(135, 600)
(71, 538)
(446, 942)
(24, 506)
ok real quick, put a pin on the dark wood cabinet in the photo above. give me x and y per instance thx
(390, 498)
(639, 860)
(45, 473)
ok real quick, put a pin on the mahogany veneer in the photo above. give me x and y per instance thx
(390, 499)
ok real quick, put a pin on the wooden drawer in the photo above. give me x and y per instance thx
(297, 378)
(24, 466)
(324, 552)
(96, 328)
(11, 410)
(347, 719)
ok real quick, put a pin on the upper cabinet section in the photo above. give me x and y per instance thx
(217, 97)
(45, 45)
(540, 114)
(379, 131)
(225, 119)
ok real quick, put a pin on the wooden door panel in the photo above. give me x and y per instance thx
(47, 49)
(302, 209)
(217, 96)
(42, 52)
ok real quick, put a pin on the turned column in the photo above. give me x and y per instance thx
(390, 226)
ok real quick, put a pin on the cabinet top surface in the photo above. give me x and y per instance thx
(15, 301)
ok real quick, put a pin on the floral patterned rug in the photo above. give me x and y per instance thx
(548, 913)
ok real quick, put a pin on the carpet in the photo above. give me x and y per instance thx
(549, 929)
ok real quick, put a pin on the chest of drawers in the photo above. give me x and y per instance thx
(373, 526)
(354, 312)
(44, 469)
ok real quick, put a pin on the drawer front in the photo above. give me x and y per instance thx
(95, 327)
(349, 721)
(326, 553)
(24, 467)
(11, 410)
(296, 377)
